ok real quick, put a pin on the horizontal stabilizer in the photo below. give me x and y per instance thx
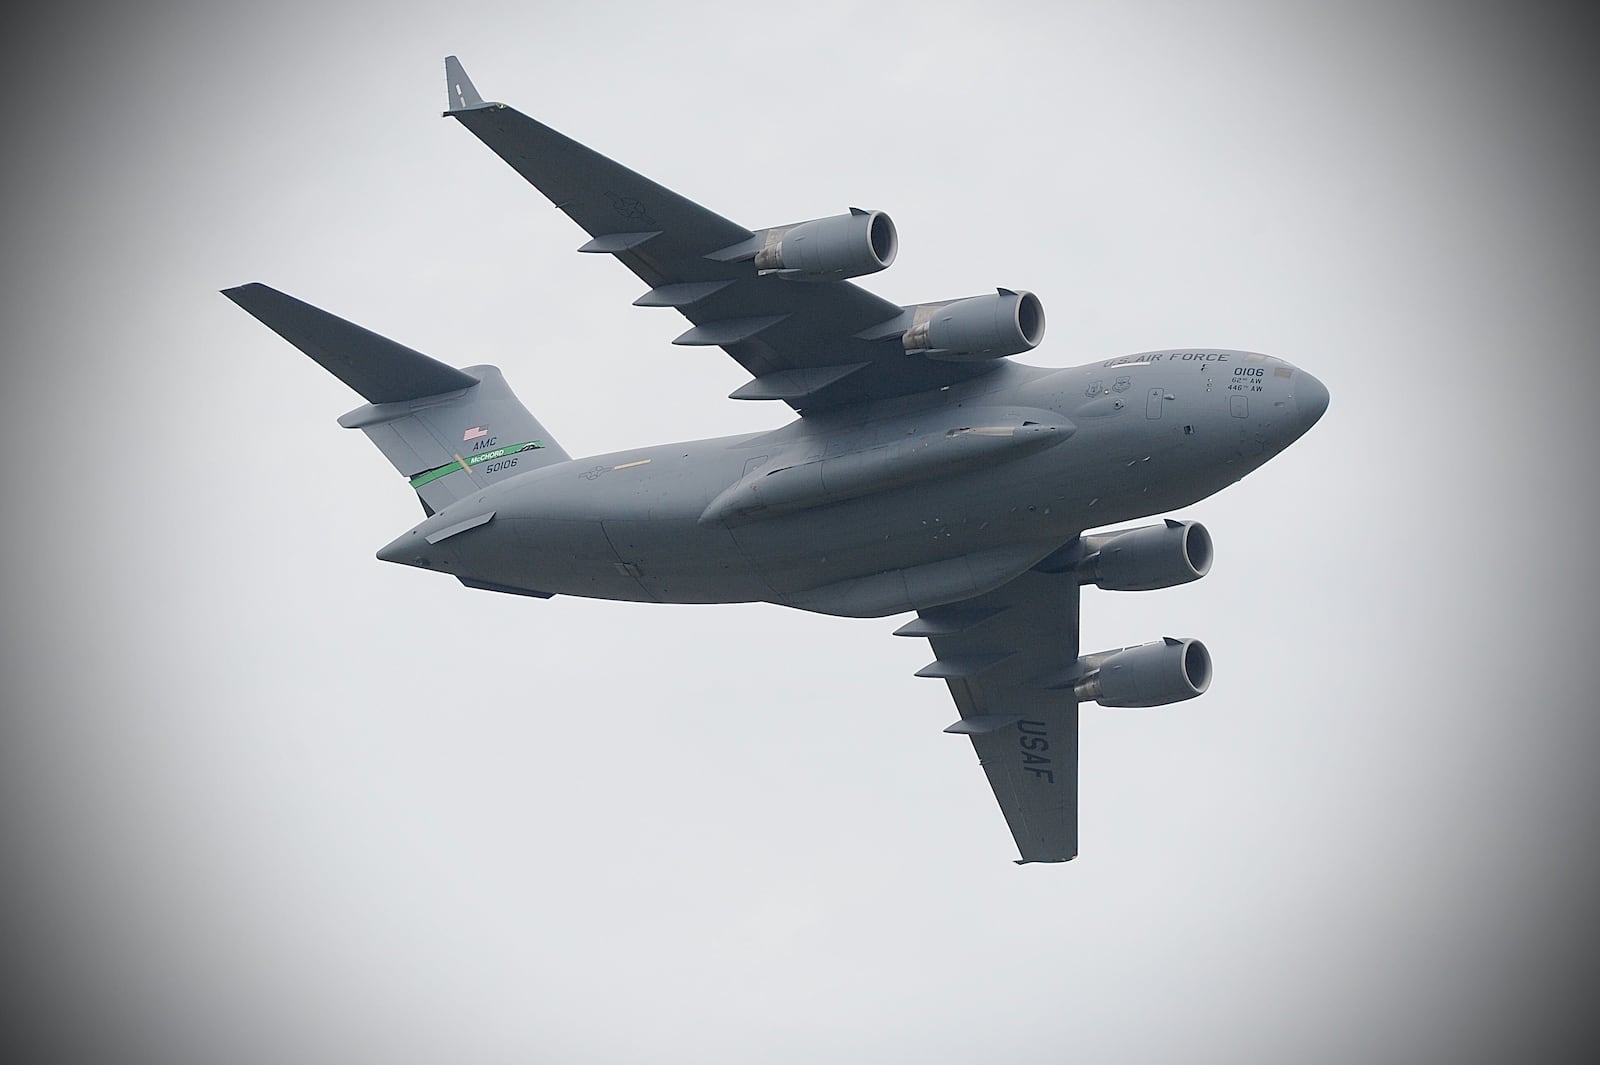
(375, 366)
(450, 432)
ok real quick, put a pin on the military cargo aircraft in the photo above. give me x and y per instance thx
(926, 472)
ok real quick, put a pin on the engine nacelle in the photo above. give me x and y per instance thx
(1149, 557)
(830, 249)
(1152, 674)
(977, 328)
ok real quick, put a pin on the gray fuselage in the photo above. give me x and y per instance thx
(892, 506)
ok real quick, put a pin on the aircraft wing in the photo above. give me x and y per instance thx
(813, 344)
(999, 652)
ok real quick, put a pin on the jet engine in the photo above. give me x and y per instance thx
(830, 249)
(977, 328)
(1149, 557)
(1152, 674)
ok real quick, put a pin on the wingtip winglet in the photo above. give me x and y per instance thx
(460, 93)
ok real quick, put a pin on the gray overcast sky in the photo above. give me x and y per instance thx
(267, 799)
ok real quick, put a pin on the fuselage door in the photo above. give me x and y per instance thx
(751, 466)
(1152, 405)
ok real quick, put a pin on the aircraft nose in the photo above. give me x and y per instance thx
(1310, 398)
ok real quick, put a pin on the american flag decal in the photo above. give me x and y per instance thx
(475, 433)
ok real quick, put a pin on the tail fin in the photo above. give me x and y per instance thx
(451, 432)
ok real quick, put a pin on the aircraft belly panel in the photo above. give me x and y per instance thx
(682, 561)
(906, 528)
(570, 557)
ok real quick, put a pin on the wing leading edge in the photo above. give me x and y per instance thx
(815, 345)
(1000, 653)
